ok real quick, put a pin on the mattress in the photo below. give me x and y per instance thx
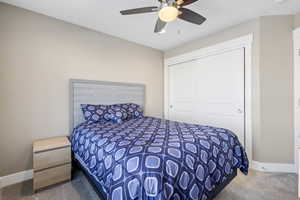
(151, 158)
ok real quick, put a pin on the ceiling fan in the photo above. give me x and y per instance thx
(168, 11)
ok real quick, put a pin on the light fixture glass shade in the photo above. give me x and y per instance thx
(168, 14)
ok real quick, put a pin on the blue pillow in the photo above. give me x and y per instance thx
(95, 113)
(117, 114)
(133, 110)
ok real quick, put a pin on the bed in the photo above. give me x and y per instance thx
(150, 158)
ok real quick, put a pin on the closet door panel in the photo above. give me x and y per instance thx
(210, 91)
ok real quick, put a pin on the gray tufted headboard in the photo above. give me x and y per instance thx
(101, 92)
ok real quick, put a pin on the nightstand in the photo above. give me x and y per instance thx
(51, 162)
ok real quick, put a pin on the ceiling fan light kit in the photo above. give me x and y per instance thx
(169, 11)
(168, 14)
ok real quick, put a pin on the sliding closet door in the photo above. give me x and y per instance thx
(210, 91)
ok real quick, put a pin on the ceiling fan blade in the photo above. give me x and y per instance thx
(186, 2)
(191, 16)
(160, 25)
(139, 10)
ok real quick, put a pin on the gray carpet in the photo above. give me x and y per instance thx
(255, 186)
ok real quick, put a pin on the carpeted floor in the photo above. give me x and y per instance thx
(255, 186)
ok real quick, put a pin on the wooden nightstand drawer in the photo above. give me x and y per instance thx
(51, 158)
(51, 162)
(51, 176)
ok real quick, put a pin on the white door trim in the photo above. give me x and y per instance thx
(241, 42)
(296, 38)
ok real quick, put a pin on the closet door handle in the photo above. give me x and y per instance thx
(240, 111)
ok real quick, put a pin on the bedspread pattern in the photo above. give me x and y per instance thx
(151, 158)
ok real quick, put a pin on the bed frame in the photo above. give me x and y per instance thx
(97, 187)
(102, 92)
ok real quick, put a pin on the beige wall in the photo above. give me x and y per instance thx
(227, 34)
(38, 55)
(276, 86)
(272, 83)
(297, 20)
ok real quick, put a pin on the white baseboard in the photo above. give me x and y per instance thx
(273, 167)
(15, 178)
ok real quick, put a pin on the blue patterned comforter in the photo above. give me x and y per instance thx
(151, 158)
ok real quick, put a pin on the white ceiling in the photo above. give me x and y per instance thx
(104, 16)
